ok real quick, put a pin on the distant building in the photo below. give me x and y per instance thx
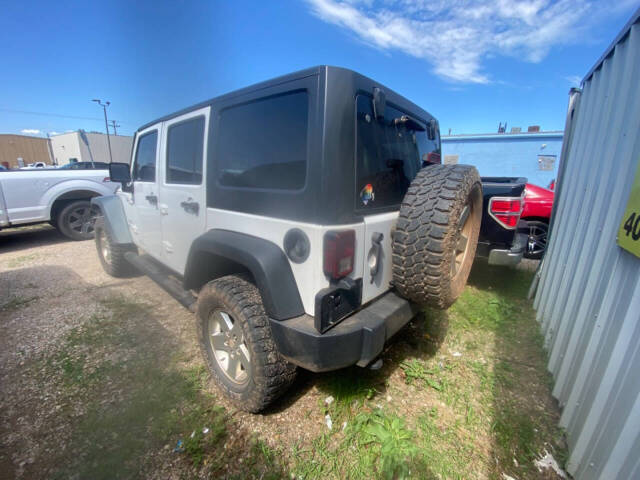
(532, 154)
(80, 146)
(20, 150)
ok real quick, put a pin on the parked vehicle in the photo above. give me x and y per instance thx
(85, 166)
(35, 165)
(61, 197)
(502, 239)
(311, 234)
(538, 202)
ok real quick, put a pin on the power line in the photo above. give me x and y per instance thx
(48, 114)
(115, 125)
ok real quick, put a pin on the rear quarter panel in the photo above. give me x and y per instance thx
(309, 275)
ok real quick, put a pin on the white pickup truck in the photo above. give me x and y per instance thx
(60, 197)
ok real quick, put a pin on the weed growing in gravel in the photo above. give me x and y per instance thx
(415, 369)
(17, 302)
(375, 444)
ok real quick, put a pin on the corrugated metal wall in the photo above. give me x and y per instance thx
(588, 299)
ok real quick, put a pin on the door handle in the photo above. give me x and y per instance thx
(152, 199)
(190, 206)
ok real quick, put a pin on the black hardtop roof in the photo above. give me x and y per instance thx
(307, 72)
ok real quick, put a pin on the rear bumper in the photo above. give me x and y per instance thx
(512, 256)
(357, 340)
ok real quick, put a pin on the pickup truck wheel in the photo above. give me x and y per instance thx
(536, 239)
(112, 255)
(75, 220)
(236, 340)
(436, 235)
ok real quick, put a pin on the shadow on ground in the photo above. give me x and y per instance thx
(23, 238)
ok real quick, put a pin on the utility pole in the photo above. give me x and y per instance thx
(115, 125)
(106, 123)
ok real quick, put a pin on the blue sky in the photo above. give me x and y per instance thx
(472, 64)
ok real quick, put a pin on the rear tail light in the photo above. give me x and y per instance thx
(432, 158)
(339, 253)
(106, 179)
(506, 210)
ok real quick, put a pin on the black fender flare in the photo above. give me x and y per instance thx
(265, 260)
(114, 218)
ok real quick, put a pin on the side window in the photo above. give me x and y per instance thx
(144, 165)
(185, 145)
(263, 143)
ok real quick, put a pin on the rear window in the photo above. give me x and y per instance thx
(389, 153)
(263, 143)
(185, 145)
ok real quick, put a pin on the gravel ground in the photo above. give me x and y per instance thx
(52, 290)
(48, 287)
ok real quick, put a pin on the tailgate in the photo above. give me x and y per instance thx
(491, 232)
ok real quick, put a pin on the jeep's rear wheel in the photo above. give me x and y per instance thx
(236, 340)
(435, 240)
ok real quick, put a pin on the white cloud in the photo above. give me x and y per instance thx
(574, 80)
(456, 36)
(30, 131)
(54, 133)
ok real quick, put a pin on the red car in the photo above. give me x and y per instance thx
(537, 212)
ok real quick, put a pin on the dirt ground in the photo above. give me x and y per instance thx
(102, 378)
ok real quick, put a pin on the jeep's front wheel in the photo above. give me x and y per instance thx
(236, 340)
(111, 255)
(436, 235)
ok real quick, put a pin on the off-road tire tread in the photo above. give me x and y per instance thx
(426, 231)
(119, 266)
(271, 375)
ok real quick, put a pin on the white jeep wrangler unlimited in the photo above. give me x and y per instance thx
(305, 219)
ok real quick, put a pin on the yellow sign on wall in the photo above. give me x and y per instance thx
(629, 232)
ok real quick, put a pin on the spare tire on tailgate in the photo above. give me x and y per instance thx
(437, 233)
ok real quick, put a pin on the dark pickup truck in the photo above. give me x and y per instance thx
(503, 237)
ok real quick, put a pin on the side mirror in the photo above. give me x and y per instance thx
(121, 173)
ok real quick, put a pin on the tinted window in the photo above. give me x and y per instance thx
(263, 144)
(390, 152)
(185, 143)
(144, 167)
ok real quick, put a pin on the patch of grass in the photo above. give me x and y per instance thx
(515, 433)
(20, 261)
(17, 302)
(375, 444)
(487, 405)
(350, 388)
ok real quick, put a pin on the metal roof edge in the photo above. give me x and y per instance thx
(635, 18)
(493, 136)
